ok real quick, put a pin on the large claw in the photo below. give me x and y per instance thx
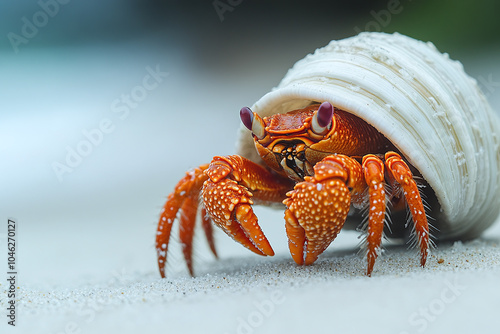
(317, 207)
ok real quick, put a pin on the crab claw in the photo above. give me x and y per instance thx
(318, 207)
(233, 182)
(229, 205)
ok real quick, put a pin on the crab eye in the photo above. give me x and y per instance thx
(322, 119)
(253, 122)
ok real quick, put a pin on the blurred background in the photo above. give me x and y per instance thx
(105, 104)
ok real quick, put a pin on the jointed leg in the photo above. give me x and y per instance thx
(206, 223)
(185, 198)
(403, 176)
(373, 169)
(318, 206)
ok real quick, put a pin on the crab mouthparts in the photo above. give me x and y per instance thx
(292, 158)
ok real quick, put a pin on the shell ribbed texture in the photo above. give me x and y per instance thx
(422, 101)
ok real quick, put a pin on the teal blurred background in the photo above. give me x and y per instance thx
(214, 27)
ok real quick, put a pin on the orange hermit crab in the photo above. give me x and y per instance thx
(345, 133)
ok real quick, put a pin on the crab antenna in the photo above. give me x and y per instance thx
(253, 122)
(322, 118)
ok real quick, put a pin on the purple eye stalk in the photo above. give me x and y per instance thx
(246, 116)
(322, 118)
(253, 122)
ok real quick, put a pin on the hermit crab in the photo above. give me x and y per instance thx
(356, 132)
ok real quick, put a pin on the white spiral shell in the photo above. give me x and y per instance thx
(422, 101)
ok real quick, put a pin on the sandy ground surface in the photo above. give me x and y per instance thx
(86, 259)
(248, 294)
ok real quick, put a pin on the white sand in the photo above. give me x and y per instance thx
(86, 245)
(247, 294)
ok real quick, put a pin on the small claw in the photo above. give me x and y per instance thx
(229, 206)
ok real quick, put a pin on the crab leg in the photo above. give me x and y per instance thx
(187, 222)
(227, 196)
(184, 196)
(373, 169)
(403, 176)
(206, 223)
(317, 207)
